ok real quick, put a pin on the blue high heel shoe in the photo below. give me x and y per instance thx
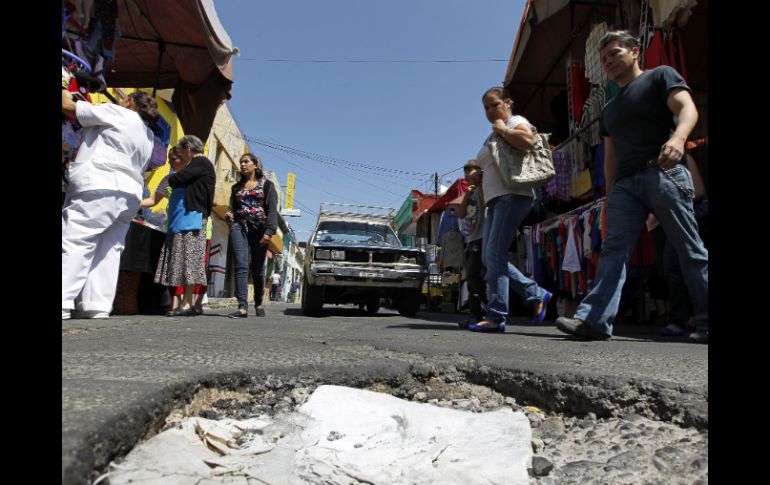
(539, 317)
(500, 328)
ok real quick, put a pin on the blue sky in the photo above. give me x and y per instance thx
(417, 117)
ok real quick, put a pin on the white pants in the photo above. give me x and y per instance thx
(93, 231)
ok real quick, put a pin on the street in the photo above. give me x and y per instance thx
(121, 377)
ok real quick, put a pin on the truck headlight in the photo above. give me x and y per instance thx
(338, 255)
(322, 254)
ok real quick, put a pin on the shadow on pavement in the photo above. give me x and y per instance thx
(348, 312)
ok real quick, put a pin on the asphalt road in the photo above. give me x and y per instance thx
(121, 376)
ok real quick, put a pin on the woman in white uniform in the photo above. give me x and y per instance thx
(102, 198)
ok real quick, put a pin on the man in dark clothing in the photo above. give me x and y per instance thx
(472, 209)
(645, 127)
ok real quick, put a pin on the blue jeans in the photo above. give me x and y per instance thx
(245, 241)
(628, 204)
(504, 214)
(677, 286)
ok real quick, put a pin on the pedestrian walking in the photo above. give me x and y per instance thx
(472, 211)
(253, 219)
(506, 208)
(645, 127)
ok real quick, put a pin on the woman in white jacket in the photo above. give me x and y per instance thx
(105, 189)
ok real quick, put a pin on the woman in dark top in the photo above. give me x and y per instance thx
(182, 260)
(253, 219)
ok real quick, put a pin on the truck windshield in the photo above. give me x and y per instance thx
(356, 232)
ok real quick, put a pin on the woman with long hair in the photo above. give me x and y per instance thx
(253, 219)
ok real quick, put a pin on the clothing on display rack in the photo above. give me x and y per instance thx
(592, 111)
(563, 252)
(594, 72)
(597, 170)
(452, 251)
(559, 186)
(578, 90)
(448, 223)
(671, 13)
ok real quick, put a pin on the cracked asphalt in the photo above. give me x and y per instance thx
(121, 377)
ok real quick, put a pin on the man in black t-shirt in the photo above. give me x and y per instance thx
(645, 127)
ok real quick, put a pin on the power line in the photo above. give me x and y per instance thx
(455, 170)
(365, 182)
(326, 158)
(305, 168)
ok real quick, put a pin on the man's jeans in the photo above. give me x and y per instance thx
(504, 214)
(245, 241)
(677, 287)
(628, 204)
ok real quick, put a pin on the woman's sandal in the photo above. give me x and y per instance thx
(477, 328)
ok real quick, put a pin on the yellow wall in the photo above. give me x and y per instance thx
(154, 177)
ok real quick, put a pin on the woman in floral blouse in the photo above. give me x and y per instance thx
(253, 218)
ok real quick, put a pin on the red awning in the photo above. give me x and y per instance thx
(177, 44)
(457, 189)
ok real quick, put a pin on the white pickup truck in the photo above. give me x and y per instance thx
(354, 256)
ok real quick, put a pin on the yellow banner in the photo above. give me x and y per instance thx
(290, 190)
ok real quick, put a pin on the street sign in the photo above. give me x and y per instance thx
(290, 212)
(290, 190)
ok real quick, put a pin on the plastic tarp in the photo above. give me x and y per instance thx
(340, 435)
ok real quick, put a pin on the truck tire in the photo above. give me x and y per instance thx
(410, 302)
(372, 306)
(312, 299)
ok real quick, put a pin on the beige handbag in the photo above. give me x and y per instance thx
(523, 170)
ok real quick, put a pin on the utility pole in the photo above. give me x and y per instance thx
(435, 184)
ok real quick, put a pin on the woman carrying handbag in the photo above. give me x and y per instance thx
(506, 208)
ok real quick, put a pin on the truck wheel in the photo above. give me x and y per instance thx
(372, 306)
(410, 303)
(312, 301)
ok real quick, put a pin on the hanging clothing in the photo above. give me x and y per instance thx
(655, 53)
(559, 186)
(571, 261)
(597, 171)
(671, 13)
(594, 72)
(580, 89)
(452, 251)
(676, 53)
(448, 223)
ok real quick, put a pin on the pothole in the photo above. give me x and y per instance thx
(615, 445)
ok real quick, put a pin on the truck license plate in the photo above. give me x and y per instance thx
(364, 274)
